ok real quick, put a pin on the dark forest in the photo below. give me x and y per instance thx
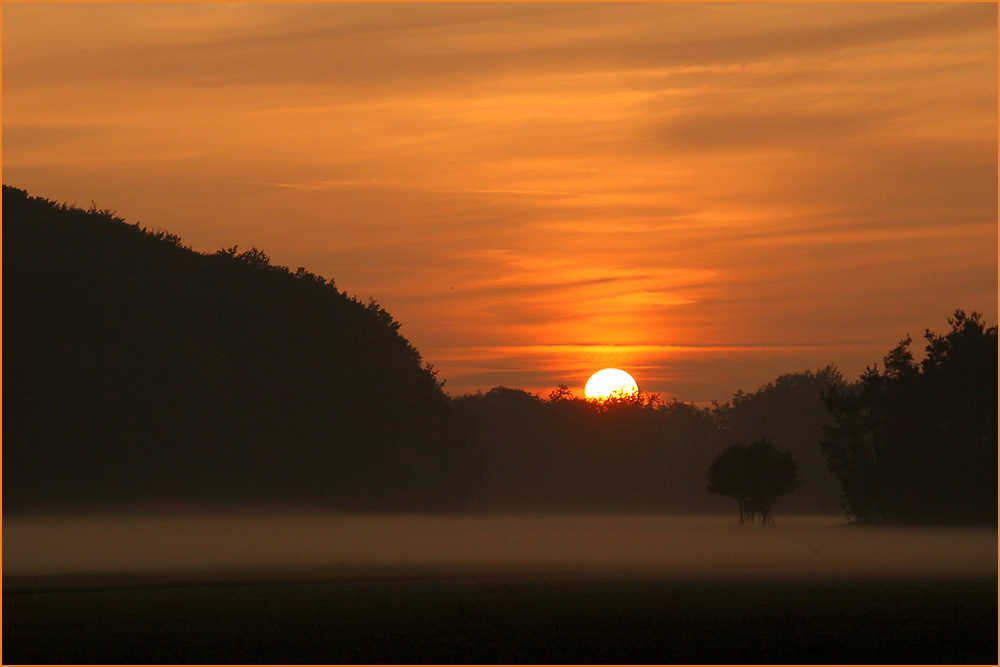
(140, 372)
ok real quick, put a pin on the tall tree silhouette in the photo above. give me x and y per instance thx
(754, 476)
(916, 442)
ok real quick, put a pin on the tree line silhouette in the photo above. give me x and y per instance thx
(140, 372)
(637, 453)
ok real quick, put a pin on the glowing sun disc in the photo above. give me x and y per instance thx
(609, 381)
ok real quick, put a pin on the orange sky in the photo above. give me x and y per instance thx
(704, 195)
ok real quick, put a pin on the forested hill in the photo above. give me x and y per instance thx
(138, 371)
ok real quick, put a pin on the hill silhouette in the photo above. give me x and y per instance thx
(138, 371)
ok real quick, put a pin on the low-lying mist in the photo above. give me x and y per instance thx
(711, 545)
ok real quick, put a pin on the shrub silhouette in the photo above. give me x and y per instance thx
(754, 476)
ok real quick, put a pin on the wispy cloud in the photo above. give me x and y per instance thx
(771, 181)
(330, 185)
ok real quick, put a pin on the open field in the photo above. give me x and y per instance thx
(425, 614)
(285, 588)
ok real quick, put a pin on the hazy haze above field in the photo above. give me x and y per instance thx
(705, 545)
(706, 195)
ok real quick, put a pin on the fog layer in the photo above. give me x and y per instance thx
(806, 545)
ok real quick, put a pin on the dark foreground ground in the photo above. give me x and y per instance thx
(371, 615)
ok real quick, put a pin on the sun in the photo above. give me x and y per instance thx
(608, 382)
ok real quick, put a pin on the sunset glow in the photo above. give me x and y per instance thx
(709, 194)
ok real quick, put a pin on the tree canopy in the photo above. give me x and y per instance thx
(754, 476)
(916, 442)
(137, 370)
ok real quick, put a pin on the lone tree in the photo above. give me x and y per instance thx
(754, 476)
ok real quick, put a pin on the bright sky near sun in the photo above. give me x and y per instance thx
(704, 195)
